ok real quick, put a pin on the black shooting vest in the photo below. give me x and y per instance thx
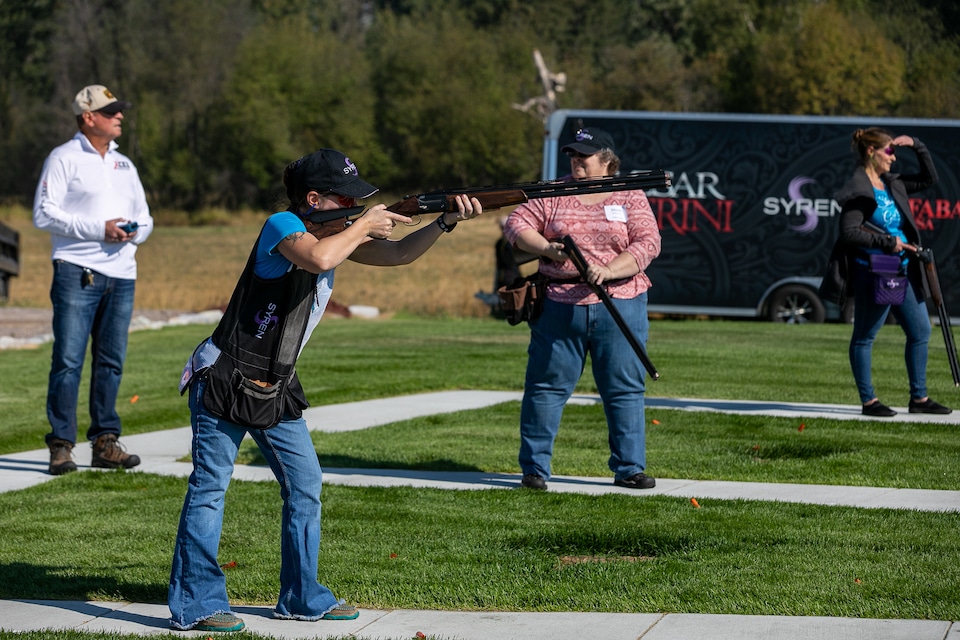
(254, 381)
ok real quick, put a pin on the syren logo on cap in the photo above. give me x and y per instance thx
(583, 135)
(350, 169)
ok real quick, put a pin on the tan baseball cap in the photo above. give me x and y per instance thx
(97, 97)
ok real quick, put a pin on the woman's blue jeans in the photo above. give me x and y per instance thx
(868, 317)
(198, 587)
(560, 340)
(82, 309)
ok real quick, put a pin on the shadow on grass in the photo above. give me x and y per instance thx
(798, 451)
(334, 461)
(607, 544)
(24, 581)
(351, 462)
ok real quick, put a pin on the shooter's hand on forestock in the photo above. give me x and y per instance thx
(468, 207)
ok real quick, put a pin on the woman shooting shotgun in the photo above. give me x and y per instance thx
(243, 380)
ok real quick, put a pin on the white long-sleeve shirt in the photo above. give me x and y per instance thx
(77, 193)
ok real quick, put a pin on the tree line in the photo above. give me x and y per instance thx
(424, 94)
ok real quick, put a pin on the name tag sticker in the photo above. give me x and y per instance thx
(615, 212)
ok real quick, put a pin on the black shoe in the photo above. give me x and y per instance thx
(637, 481)
(534, 481)
(878, 410)
(928, 406)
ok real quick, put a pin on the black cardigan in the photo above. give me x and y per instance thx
(857, 205)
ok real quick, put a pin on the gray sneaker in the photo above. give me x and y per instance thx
(224, 622)
(342, 612)
(61, 457)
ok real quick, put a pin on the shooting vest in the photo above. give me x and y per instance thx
(254, 381)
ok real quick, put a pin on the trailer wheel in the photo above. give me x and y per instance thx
(796, 304)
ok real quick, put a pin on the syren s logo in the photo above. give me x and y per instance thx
(265, 320)
(810, 210)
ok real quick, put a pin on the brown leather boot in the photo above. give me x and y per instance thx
(61, 457)
(108, 453)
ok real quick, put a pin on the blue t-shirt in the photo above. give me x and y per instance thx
(269, 263)
(887, 217)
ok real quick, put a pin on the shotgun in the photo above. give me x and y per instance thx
(498, 196)
(576, 256)
(932, 279)
(936, 294)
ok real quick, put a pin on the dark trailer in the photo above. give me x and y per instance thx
(750, 220)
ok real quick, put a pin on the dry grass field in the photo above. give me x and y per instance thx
(194, 268)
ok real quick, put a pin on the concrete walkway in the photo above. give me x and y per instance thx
(160, 450)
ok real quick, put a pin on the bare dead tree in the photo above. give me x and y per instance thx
(552, 83)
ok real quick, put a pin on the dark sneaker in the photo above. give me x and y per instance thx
(878, 410)
(637, 481)
(534, 481)
(108, 453)
(61, 457)
(342, 612)
(928, 406)
(220, 622)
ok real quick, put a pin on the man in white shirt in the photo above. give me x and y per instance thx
(90, 199)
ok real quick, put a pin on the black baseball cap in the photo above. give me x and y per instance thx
(589, 141)
(328, 170)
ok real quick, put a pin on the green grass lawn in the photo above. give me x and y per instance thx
(685, 445)
(496, 550)
(519, 550)
(351, 360)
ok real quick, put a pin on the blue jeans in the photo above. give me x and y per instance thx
(198, 586)
(560, 340)
(868, 317)
(100, 309)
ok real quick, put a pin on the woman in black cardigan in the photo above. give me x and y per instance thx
(875, 195)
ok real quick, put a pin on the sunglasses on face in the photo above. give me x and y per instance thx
(577, 154)
(890, 150)
(345, 202)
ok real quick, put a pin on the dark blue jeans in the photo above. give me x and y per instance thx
(560, 340)
(868, 317)
(82, 310)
